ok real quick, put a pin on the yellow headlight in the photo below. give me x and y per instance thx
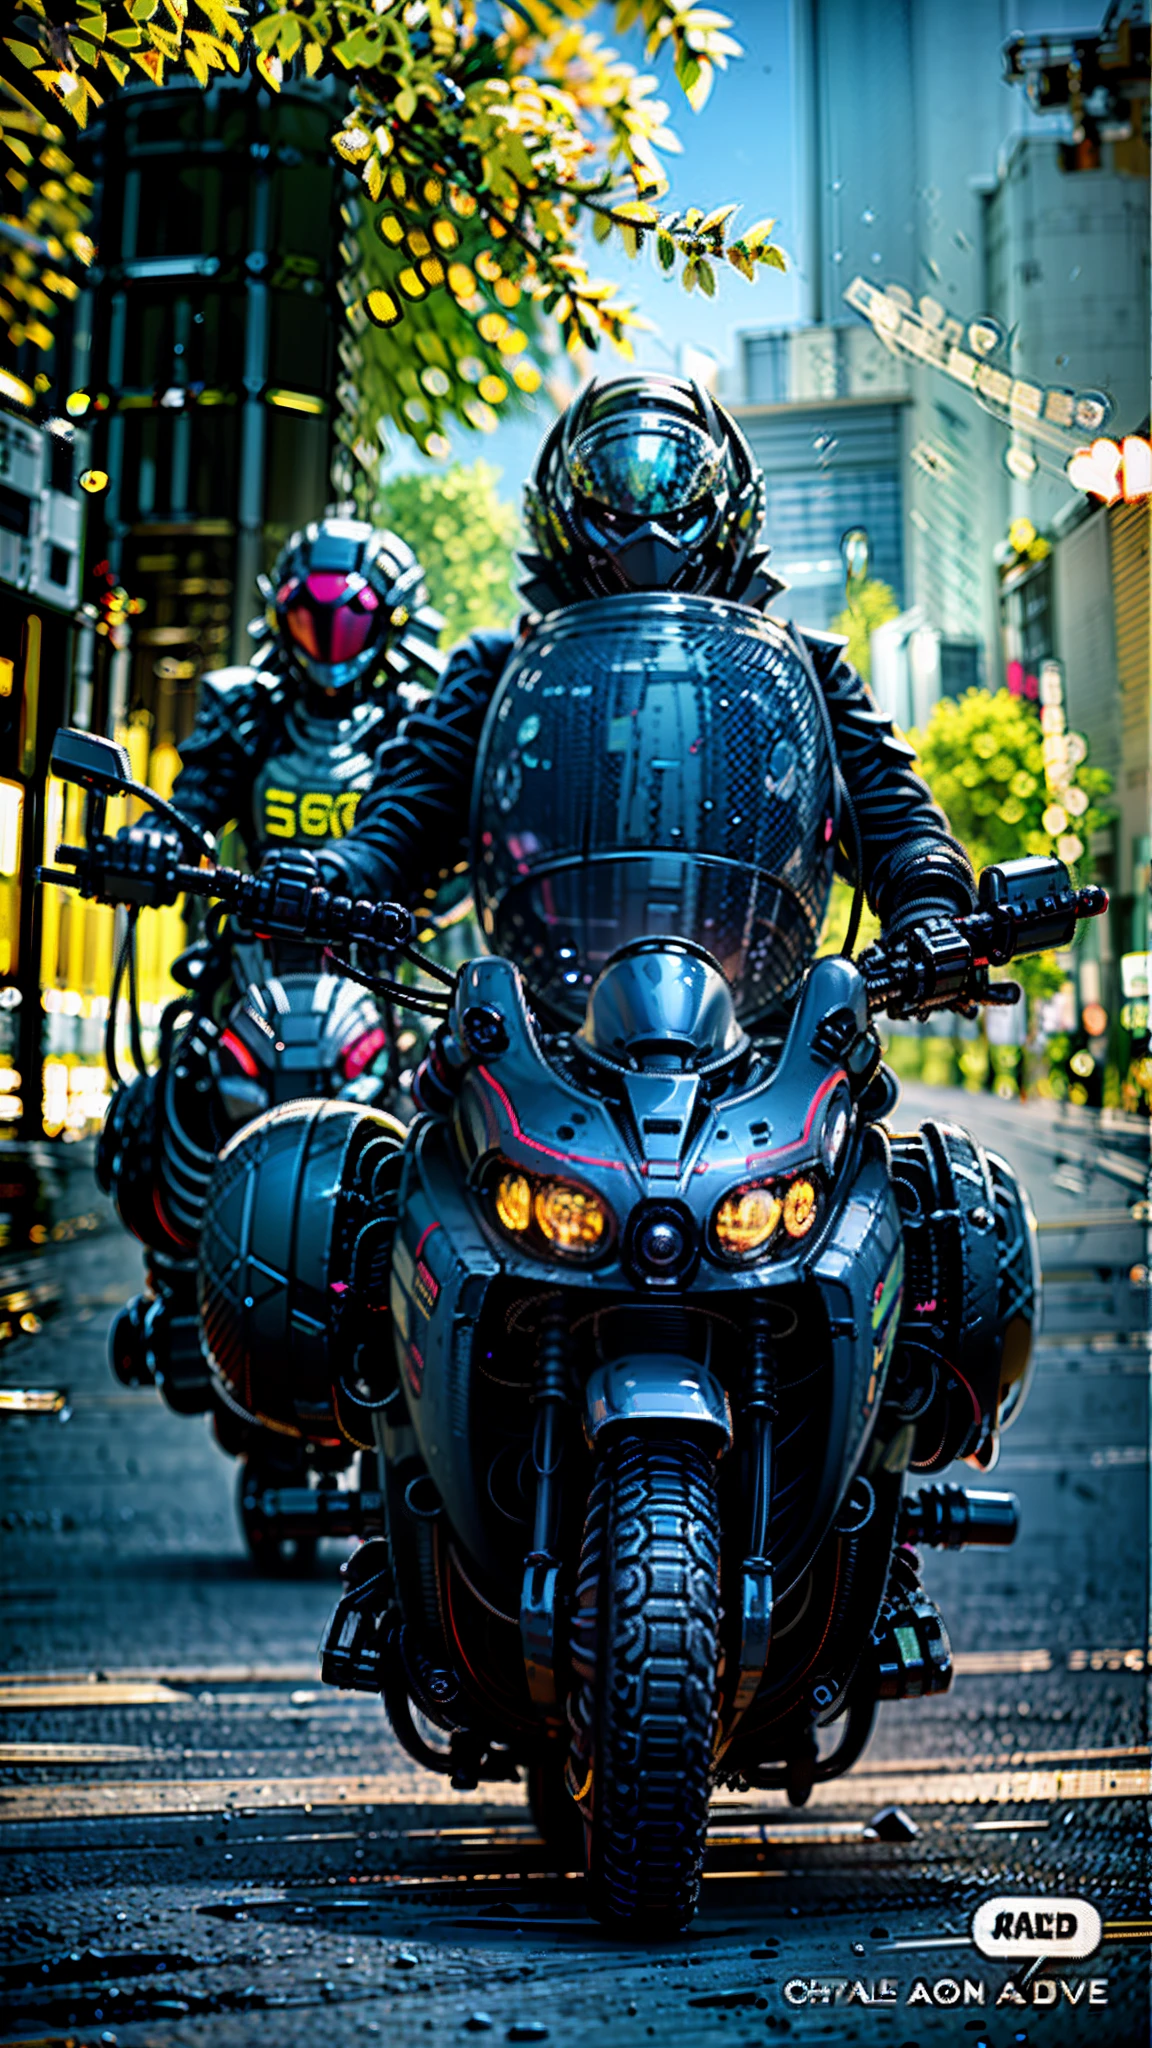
(800, 1208)
(572, 1218)
(746, 1220)
(514, 1201)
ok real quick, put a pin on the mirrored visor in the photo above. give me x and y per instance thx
(642, 470)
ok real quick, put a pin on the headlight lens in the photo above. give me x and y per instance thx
(746, 1220)
(551, 1216)
(760, 1218)
(800, 1203)
(514, 1201)
(571, 1218)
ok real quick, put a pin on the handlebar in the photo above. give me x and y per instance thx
(1024, 906)
(277, 906)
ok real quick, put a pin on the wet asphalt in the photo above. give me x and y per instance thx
(201, 1844)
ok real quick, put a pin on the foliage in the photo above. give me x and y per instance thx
(484, 139)
(41, 250)
(870, 604)
(465, 537)
(982, 756)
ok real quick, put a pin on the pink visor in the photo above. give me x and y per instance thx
(327, 623)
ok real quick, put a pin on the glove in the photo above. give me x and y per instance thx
(932, 958)
(141, 863)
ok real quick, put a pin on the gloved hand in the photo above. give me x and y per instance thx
(929, 951)
(140, 864)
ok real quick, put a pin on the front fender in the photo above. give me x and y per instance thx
(654, 1387)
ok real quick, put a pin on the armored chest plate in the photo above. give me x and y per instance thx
(309, 786)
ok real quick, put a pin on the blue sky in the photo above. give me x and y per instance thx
(738, 148)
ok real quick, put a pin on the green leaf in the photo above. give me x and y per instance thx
(773, 257)
(27, 53)
(601, 226)
(707, 277)
(666, 252)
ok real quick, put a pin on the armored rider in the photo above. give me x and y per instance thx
(285, 747)
(646, 483)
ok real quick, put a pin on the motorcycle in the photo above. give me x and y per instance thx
(650, 1315)
(257, 1024)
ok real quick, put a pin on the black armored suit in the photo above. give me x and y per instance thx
(646, 484)
(412, 826)
(289, 767)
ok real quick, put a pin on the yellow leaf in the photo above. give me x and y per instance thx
(637, 213)
(352, 144)
(313, 58)
(383, 309)
(717, 218)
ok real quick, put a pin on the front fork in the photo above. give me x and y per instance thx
(756, 1595)
(542, 1564)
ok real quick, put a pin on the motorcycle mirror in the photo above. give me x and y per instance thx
(93, 762)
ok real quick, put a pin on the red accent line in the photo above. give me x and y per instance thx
(565, 1158)
(240, 1053)
(173, 1234)
(424, 1239)
(824, 1089)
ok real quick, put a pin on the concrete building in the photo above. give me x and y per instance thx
(917, 165)
(824, 410)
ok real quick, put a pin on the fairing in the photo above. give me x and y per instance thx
(655, 765)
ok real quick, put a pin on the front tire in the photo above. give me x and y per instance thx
(647, 1649)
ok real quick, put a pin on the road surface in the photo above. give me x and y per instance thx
(203, 1845)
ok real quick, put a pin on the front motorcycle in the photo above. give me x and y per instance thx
(651, 1316)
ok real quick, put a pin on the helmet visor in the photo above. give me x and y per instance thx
(330, 620)
(642, 470)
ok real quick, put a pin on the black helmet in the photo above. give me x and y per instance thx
(342, 593)
(645, 483)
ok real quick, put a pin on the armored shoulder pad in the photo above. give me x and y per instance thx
(236, 704)
(826, 649)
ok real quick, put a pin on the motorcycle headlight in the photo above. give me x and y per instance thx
(800, 1205)
(570, 1217)
(513, 1200)
(762, 1217)
(558, 1216)
(746, 1220)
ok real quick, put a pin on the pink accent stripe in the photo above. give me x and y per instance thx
(424, 1239)
(565, 1158)
(824, 1089)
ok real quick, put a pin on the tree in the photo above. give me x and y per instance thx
(982, 755)
(869, 605)
(465, 537)
(484, 140)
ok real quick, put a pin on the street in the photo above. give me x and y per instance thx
(203, 1845)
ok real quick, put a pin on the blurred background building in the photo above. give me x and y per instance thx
(1006, 188)
(200, 379)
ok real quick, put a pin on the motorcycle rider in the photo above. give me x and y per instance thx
(285, 746)
(645, 482)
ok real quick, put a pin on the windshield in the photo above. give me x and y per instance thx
(654, 765)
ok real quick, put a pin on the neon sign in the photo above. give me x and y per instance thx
(922, 331)
(1108, 471)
